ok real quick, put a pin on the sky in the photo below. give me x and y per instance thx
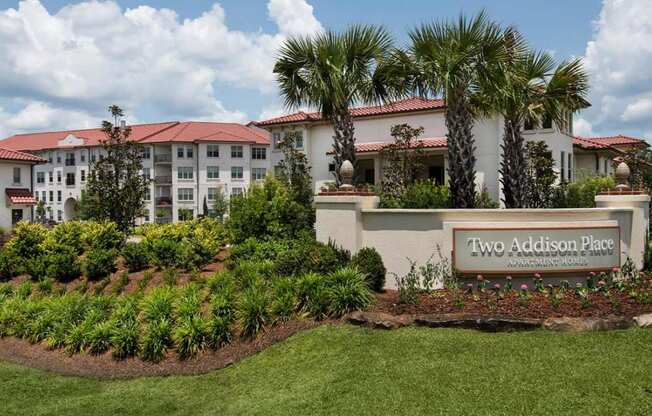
(63, 62)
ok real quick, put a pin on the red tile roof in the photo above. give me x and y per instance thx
(427, 143)
(617, 140)
(401, 106)
(172, 131)
(8, 154)
(20, 196)
(588, 144)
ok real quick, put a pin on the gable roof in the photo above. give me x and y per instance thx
(172, 131)
(8, 154)
(402, 106)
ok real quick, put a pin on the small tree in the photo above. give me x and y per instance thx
(40, 212)
(640, 166)
(115, 188)
(294, 171)
(220, 205)
(402, 160)
(539, 175)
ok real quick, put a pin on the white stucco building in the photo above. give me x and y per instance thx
(188, 163)
(16, 182)
(573, 155)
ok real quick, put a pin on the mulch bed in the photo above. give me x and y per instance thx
(539, 306)
(104, 366)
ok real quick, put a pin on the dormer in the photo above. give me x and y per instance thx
(70, 141)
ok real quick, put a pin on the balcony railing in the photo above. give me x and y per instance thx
(163, 220)
(163, 200)
(164, 158)
(160, 180)
(70, 162)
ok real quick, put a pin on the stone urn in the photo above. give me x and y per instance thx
(622, 177)
(346, 174)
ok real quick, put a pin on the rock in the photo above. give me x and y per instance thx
(644, 321)
(379, 320)
(489, 323)
(586, 324)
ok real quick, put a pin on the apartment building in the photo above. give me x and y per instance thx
(188, 162)
(572, 155)
(16, 182)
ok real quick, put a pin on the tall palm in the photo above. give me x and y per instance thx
(332, 72)
(531, 86)
(453, 60)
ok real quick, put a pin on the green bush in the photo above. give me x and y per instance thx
(426, 195)
(164, 252)
(313, 295)
(188, 304)
(62, 264)
(158, 305)
(25, 245)
(99, 339)
(220, 282)
(157, 338)
(582, 192)
(8, 263)
(222, 312)
(219, 332)
(125, 338)
(190, 336)
(348, 291)
(136, 256)
(369, 262)
(253, 311)
(284, 302)
(68, 234)
(99, 262)
(102, 235)
(121, 283)
(268, 211)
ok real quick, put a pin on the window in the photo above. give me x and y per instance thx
(546, 122)
(70, 179)
(70, 159)
(58, 157)
(189, 153)
(185, 194)
(16, 216)
(180, 152)
(259, 153)
(59, 215)
(184, 173)
(58, 196)
(43, 196)
(236, 172)
(276, 138)
(82, 156)
(58, 176)
(212, 192)
(16, 175)
(184, 151)
(298, 140)
(82, 175)
(570, 167)
(49, 157)
(331, 167)
(213, 150)
(562, 173)
(258, 174)
(606, 166)
(148, 194)
(212, 172)
(51, 196)
(93, 156)
(146, 215)
(146, 173)
(185, 214)
(236, 151)
(147, 152)
(277, 170)
(236, 191)
(50, 175)
(597, 164)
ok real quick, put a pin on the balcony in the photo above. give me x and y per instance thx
(163, 201)
(163, 180)
(163, 158)
(70, 162)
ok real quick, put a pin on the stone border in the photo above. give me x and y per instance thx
(497, 323)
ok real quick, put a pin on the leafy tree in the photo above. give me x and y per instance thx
(333, 71)
(220, 205)
(539, 175)
(294, 171)
(453, 60)
(402, 160)
(640, 166)
(40, 211)
(115, 187)
(530, 87)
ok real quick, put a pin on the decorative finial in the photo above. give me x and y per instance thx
(346, 174)
(622, 177)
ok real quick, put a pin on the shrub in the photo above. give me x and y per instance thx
(148, 275)
(121, 283)
(369, 262)
(348, 291)
(158, 305)
(219, 332)
(169, 277)
(99, 339)
(8, 263)
(164, 252)
(156, 340)
(426, 195)
(27, 239)
(189, 303)
(253, 311)
(99, 262)
(313, 296)
(582, 192)
(249, 273)
(45, 286)
(68, 234)
(124, 338)
(136, 256)
(62, 264)
(190, 336)
(284, 302)
(102, 235)
(220, 282)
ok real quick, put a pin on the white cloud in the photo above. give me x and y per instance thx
(582, 127)
(92, 54)
(39, 116)
(618, 58)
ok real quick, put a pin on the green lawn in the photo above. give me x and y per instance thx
(342, 370)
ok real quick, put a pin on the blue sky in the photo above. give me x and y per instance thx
(210, 73)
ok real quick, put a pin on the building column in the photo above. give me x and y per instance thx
(338, 218)
(378, 177)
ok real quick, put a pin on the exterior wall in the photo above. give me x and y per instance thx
(585, 164)
(488, 135)
(417, 235)
(6, 181)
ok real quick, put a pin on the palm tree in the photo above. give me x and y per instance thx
(331, 72)
(531, 87)
(453, 60)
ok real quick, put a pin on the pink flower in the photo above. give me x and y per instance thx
(601, 283)
(469, 286)
(592, 274)
(523, 286)
(615, 270)
(497, 286)
(480, 278)
(537, 275)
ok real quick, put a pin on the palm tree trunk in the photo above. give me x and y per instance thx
(513, 166)
(343, 143)
(461, 154)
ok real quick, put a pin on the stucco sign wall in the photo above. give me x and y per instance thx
(551, 250)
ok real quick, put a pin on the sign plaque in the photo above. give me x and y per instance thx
(536, 250)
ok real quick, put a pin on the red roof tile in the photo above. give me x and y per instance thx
(172, 131)
(427, 143)
(401, 106)
(8, 154)
(617, 140)
(20, 196)
(588, 144)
